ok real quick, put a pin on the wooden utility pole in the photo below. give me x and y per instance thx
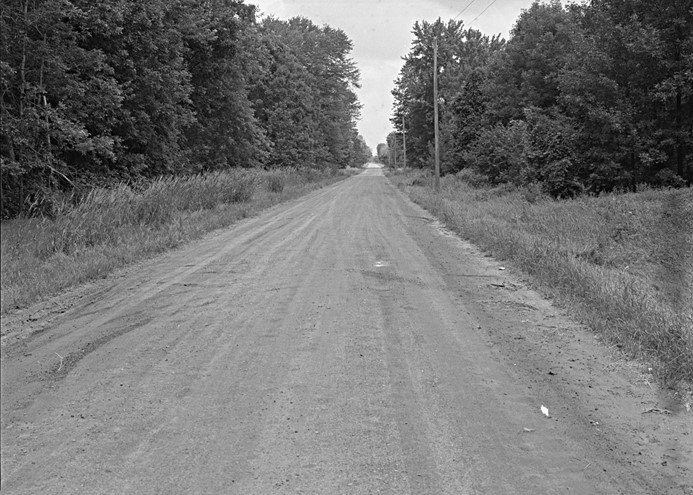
(404, 144)
(394, 150)
(436, 178)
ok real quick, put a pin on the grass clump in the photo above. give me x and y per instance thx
(275, 182)
(112, 227)
(623, 263)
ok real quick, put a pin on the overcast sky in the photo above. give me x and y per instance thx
(381, 33)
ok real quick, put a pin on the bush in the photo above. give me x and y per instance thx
(472, 177)
(559, 180)
(501, 152)
(667, 178)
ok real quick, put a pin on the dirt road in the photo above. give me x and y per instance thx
(343, 343)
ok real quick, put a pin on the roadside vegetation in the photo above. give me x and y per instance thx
(130, 127)
(109, 228)
(584, 97)
(622, 263)
(567, 149)
(95, 93)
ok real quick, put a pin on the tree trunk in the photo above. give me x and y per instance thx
(680, 151)
(22, 98)
(22, 67)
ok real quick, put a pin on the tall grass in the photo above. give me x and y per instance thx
(622, 262)
(112, 227)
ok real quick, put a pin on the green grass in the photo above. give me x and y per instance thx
(622, 263)
(111, 228)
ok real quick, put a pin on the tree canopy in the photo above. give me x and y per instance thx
(99, 91)
(587, 97)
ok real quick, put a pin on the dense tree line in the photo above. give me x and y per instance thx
(98, 91)
(582, 98)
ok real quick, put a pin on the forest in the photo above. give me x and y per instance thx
(583, 98)
(103, 92)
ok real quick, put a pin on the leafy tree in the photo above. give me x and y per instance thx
(382, 153)
(413, 91)
(641, 51)
(220, 51)
(360, 152)
(283, 98)
(97, 91)
(304, 94)
(501, 152)
(461, 56)
(525, 73)
(144, 45)
(590, 97)
(57, 97)
(467, 105)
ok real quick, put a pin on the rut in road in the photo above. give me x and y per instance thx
(318, 348)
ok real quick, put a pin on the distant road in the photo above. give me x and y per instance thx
(343, 343)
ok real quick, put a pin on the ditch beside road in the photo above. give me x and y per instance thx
(343, 342)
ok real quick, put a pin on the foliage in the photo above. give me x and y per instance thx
(360, 153)
(304, 92)
(583, 98)
(500, 152)
(97, 92)
(381, 153)
(220, 51)
(460, 53)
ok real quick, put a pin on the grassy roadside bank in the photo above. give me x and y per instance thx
(623, 264)
(112, 228)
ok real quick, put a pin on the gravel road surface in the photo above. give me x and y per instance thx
(342, 343)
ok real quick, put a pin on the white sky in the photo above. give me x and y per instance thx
(381, 33)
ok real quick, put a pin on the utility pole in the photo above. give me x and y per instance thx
(404, 144)
(435, 114)
(394, 149)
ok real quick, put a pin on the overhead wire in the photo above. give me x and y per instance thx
(482, 12)
(463, 10)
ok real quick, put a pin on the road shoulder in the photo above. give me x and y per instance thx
(572, 372)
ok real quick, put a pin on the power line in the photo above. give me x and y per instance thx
(482, 12)
(463, 10)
